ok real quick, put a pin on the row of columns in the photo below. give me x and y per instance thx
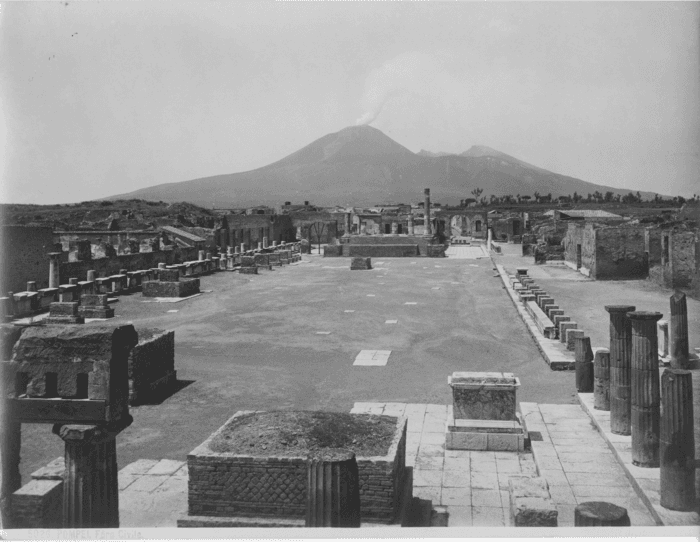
(657, 413)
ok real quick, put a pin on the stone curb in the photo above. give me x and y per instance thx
(618, 444)
(549, 348)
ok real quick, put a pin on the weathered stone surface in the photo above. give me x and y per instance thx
(182, 288)
(169, 275)
(94, 300)
(600, 514)
(77, 361)
(361, 263)
(9, 335)
(333, 250)
(151, 360)
(484, 396)
(96, 312)
(332, 490)
(601, 374)
(248, 270)
(64, 308)
(620, 368)
(38, 505)
(571, 335)
(530, 503)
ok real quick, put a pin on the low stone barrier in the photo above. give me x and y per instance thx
(544, 324)
(381, 251)
(530, 503)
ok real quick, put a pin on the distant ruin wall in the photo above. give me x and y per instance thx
(620, 254)
(586, 237)
(106, 267)
(24, 256)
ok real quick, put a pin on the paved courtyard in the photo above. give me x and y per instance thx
(253, 343)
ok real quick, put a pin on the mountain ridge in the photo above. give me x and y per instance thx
(360, 165)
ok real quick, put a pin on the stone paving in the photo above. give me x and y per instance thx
(576, 462)
(466, 252)
(472, 485)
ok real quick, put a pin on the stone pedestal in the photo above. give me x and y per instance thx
(90, 487)
(620, 368)
(679, 331)
(677, 441)
(64, 313)
(484, 415)
(361, 263)
(645, 397)
(95, 306)
(333, 490)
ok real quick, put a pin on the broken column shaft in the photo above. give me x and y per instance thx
(333, 490)
(677, 441)
(601, 379)
(426, 213)
(645, 389)
(54, 269)
(584, 364)
(620, 368)
(679, 331)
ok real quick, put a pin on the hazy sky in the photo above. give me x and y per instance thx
(102, 98)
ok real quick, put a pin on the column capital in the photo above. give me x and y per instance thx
(644, 315)
(55, 255)
(619, 308)
(91, 434)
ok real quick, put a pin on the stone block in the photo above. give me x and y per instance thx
(169, 275)
(94, 300)
(76, 362)
(552, 311)
(59, 308)
(182, 288)
(9, 335)
(361, 263)
(96, 312)
(505, 442)
(571, 335)
(484, 396)
(564, 326)
(333, 251)
(530, 503)
(466, 441)
(38, 505)
(151, 364)
(249, 270)
(247, 261)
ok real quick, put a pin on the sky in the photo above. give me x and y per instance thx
(103, 98)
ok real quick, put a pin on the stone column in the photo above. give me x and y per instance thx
(677, 441)
(161, 265)
(333, 489)
(31, 286)
(348, 224)
(91, 275)
(489, 238)
(242, 248)
(201, 255)
(645, 389)
(663, 337)
(411, 225)
(601, 384)
(264, 242)
(54, 263)
(229, 251)
(679, 331)
(90, 486)
(260, 245)
(426, 212)
(620, 368)
(584, 364)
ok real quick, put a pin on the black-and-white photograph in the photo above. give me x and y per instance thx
(189, 189)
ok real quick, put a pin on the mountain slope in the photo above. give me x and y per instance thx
(360, 165)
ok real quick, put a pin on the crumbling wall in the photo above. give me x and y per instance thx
(25, 257)
(105, 267)
(584, 235)
(620, 254)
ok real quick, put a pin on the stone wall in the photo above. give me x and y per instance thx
(334, 225)
(247, 229)
(105, 267)
(620, 253)
(225, 485)
(24, 256)
(381, 251)
(151, 364)
(584, 235)
(421, 241)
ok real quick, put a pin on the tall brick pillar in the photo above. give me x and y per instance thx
(679, 331)
(646, 400)
(333, 489)
(90, 485)
(54, 263)
(620, 368)
(426, 213)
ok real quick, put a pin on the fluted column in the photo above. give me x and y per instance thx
(620, 368)
(426, 213)
(677, 441)
(584, 364)
(333, 490)
(601, 382)
(90, 485)
(679, 331)
(646, 402)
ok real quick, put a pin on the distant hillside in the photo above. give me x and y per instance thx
(360, 165)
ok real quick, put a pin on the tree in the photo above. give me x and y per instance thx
(484, 202)
(494, 199)
(609, 196)
(526, 198)
(477, 192)
(537, 197)
(639, 196)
